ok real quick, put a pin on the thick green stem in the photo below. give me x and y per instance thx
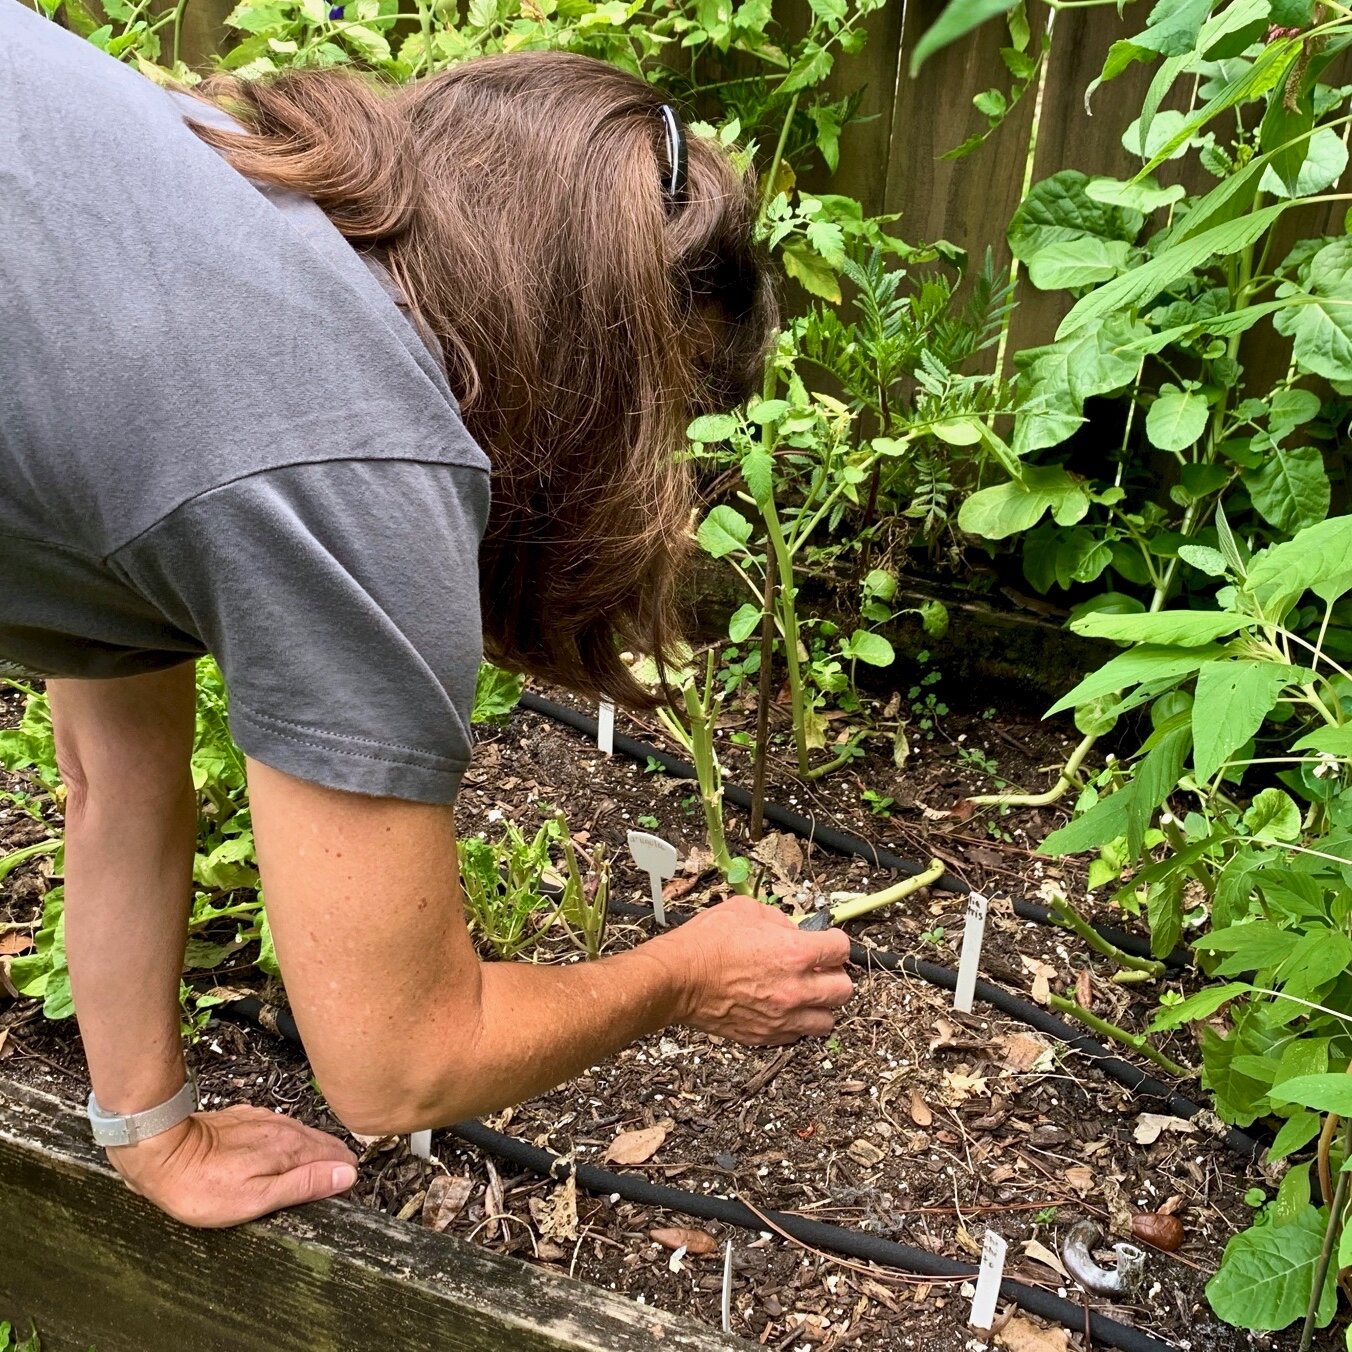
(1321, 1267)
(1118, 1034)
(787, 612)
(698, 736)
(874, 901)
(9, 862)
(844, 758)
(1067, 780)
(1065, 915)
(772, 175)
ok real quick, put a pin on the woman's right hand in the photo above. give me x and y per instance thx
(753, 976)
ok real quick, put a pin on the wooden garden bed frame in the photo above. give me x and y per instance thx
(92, 1265)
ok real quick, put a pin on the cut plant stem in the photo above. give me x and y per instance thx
(1068, 778)
(844, 758)
(1065, 915)
(765, 694)
(1119, 1034)
(875, 901)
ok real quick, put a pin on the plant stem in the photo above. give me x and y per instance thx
(1065, 915)
(9, 862)
(1119, 1034)
(766, 693)
(769, 194)
(830, 767)
(788, 624)
(1065, 781)
(1321, 1267)
(874, 901)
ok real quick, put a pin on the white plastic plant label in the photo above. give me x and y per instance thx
(988, 1278)
(973, 934)
(605, 728)
(420, 1145)
(657, 858)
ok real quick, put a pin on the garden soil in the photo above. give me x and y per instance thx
(913, 1122)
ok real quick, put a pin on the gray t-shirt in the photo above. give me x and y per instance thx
(219, 434)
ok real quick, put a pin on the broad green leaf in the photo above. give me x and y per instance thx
(496, 693)
(1142, 283)
(1204, 559)
(1334, 741)
(758, 469)
(744, 622)
(807, 267)
(1171, 31)
(958, 431)
(1231, 702)
(1156, 777)
(1319, 317)
(957, 19)
(712, 427)
(866, 646)
(1318, 958)
(1145, 141)
(1298, 1130)
(1077, 262)
(1151, 663)
(1006, 509)
(1319, 559)
(1106, 820)
(1144, 196)
(1164, 911)
(1330, 1093)
(1176, 419)
(1253, 945)
(1290, 488)
(724, 531)
(1200, 1006)
(1322, 166)
(1273, 816)
(1289, 409)
(1056, 379)
(1180, 628)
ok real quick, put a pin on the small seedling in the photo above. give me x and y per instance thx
(878, 803)
(648, 822)
(934, 936)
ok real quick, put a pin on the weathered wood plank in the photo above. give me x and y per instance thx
(90, 1263)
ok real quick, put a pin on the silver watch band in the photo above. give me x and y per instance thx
(129, 1128)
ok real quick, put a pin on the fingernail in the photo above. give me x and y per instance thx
(344, 1176)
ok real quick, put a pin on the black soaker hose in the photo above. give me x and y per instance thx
(1130, 1077)
(727, 1210)
(839, 842)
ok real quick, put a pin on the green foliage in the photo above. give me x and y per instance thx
(10, 1341)
(496, 694)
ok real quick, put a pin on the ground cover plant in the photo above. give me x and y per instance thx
(1167, 469)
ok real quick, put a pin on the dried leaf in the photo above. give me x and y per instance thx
(965, 1241)
(945, 1034)
(1084, 989)
(1022, 1052)
(445, 1200)
(963, 810)
(1150, 1125)
(1081, 1179)
(920, 1111)
(555, 1216)
(959, 1087)
(15, 942)
(636, 1147)
(901, 749)
(781, 853)
(1040, 1253)
(1022, 1335)
(1042, 975)
(411, 1207)
(5, 1048)
(676, 888)
(697, 1242)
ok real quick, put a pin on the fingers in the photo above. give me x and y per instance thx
(831, 990)
(308, 1183)
(831, 948)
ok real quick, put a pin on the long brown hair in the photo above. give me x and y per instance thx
(518, 200)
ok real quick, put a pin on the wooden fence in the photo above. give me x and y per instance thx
(892, 161)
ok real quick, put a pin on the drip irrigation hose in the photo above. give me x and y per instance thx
(817, 1234)
(1130, 1077)
(839, 842)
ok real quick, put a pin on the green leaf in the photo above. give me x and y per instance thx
(1330, 1093)
(957, 19)
(1056, 379)
(1069, 239)
(1232, 700)
(1146, 140)
(1200, 1006)
(1318, 559)
(1144, 196)
(1106, 820)
(724, 531)
(744, 622)
(1335, 741)
(1164, 911)
(1297, 1131)
(1007, 509)
(866, 646)
(712, 427)
(1181, 628)
(1148, 663)
(758, 469)
(1176, 261)
(1290, 488)
(1077, 262)
(496, 693)
(807, 267)
(1273, 816)
(1321, 167)
(1204, 559)
(1176, 419)
(1319, 318)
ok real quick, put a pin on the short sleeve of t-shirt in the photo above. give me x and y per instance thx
(341, 600)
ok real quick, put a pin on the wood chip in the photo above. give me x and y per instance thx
(698, 1242)
(1084, 989)
(1022, 1335)
(1023, 1052)
(636, 1147)
(920, 1110)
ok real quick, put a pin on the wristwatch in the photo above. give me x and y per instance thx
(129, 1128)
